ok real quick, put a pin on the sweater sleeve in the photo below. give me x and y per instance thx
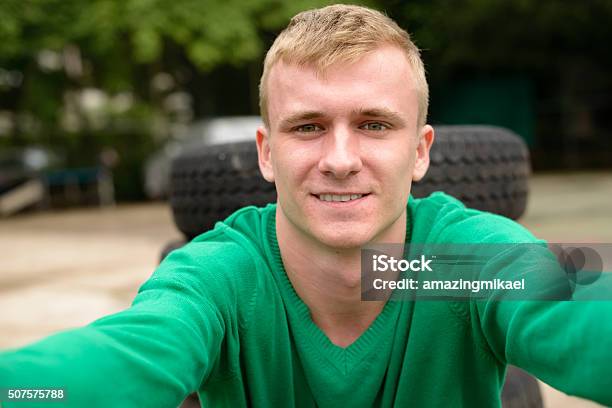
(152, 354)
(565, 343)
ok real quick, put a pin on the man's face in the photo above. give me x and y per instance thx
(343, 148)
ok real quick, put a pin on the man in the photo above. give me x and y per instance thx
(266, 309)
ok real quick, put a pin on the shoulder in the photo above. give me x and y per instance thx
(441, 218)
(235, 241)
(224, 264)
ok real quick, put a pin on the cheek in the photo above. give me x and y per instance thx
(395, 159)
(395, 167)
(290, 166)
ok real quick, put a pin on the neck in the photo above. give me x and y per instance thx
(328, 280)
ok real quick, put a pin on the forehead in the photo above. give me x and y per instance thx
(380, 79)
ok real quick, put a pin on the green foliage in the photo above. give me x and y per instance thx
(211, 31)
(119, 47)
(122, 45)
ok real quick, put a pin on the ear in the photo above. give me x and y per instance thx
(421, 164)
(264, 154)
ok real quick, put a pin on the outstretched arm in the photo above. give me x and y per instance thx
(565, 343)
(152, 354)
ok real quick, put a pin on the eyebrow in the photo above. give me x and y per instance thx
(381, 113)
(299, 117)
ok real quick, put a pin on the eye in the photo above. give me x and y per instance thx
(309, 128)
(374, 126)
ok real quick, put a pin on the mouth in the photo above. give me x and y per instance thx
(334, 197)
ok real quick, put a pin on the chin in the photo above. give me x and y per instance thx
(349, 239)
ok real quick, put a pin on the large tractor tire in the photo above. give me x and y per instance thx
(485, 167)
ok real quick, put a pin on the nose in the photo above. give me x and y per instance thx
(340, 154)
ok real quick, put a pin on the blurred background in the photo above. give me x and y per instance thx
(97, 96)
(87, 85)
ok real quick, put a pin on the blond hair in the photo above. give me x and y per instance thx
(341, 33)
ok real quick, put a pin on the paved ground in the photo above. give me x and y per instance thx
(65, 269)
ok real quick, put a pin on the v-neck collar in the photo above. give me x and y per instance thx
(343, 358)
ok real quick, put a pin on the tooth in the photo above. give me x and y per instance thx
(339, 197)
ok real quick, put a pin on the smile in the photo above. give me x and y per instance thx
(339, 197)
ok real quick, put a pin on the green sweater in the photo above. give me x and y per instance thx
(221, 317)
